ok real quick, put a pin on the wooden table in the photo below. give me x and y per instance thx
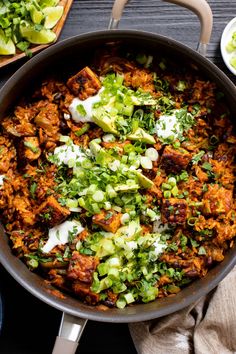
(30, 326)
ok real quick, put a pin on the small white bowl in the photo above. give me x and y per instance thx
(225, 39)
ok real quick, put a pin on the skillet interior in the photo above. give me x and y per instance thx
(67, 57)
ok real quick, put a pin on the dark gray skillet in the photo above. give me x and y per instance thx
(65, 57)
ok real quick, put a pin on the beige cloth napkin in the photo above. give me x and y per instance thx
(206, 327)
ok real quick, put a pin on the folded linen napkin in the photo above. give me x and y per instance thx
(206, 327)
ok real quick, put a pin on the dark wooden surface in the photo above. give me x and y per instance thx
(30, 326)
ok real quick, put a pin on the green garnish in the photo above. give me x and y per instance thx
(82, 130)
(80, 108)
(196, 158)
(30, 146)
(33, 188)
(207, 166)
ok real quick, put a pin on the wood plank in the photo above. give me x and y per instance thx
(5, 60)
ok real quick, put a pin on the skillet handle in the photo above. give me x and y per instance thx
(71, 329)
(202, 9)
(199, 7)
(116, 13)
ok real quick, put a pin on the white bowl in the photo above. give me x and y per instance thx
(225, 39)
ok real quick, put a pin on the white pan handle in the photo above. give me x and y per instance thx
(116, 13)
(70, 331)
(200, 7)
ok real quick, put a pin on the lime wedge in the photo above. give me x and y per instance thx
(44, 36)
(52, 16)
(36, 15)
(7, 46)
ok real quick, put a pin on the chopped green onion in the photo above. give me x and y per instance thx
(82, 130)
(129, 298)
(125, 218)
(65, 139)
(96, 208)
(175, 191)
(152, 154)
(146, 162)
(121, 303)
(98, 196)
(167, 194)
(191, 221)
(201, 251)
(72, 203)
(108, 138)
(81, 110)
(166, 186)
(214, 140)
(33, 263)
(172, 181)
(129, 148)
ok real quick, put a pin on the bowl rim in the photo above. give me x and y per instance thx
(223, 42)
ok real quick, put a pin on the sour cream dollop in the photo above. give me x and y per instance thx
(2, 177)
(66, 153)
(159, 247)
(81, 111)
(59, 234)
(168, 126)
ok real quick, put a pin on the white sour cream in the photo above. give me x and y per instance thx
(158, 226)
(66, 153)
(2, 177)
(168, 126)
(88, 107)
(159, 247)
(59, 235)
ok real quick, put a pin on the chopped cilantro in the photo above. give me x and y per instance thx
(33, 188)
(207, 166)
(196, 158)
(201, 251)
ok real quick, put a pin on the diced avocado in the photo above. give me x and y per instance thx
(142, 136)
(143, 180)
(106, 122)
(126, 187)
(124, 109)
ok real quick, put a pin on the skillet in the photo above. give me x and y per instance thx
(32, 71)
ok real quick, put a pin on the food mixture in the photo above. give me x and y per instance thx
(117, 185)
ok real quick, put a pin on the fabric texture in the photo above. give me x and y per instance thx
(206, 327)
